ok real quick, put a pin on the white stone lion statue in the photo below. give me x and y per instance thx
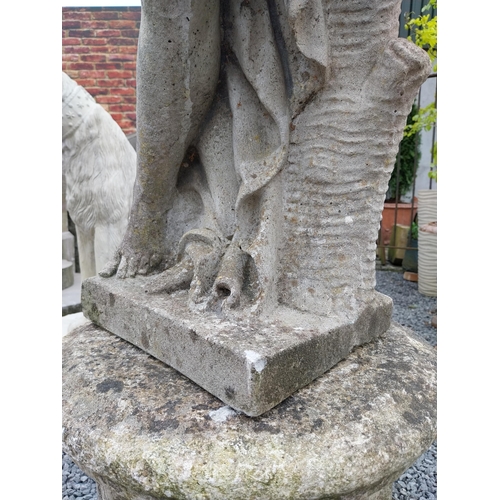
(100, 166)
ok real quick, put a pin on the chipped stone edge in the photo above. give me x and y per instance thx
(214, 357)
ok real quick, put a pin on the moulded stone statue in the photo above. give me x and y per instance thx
(288, 144)
(99, 165)
(264, 150)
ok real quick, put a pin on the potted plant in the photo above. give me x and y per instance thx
(410, 260)
(395, 211)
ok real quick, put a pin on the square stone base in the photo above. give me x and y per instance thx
(250, 364)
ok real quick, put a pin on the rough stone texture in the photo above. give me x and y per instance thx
(261, 177)
(145, 432)
(251, 365)
(343, 146)
(269, 167)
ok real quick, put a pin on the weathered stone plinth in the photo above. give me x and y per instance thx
(249, 363)
(143, 431)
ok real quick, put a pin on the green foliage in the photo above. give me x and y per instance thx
(414, 231)
(433, 174)
(407, 150)
(423, 31)
(425, 119)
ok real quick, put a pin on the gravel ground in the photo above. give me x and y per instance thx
(75, 484)
(413, 310)
(419, 482)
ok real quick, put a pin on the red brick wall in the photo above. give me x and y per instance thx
(99, 52)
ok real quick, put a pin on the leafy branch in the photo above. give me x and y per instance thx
(423, 31)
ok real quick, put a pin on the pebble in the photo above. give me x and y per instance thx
(411, 309)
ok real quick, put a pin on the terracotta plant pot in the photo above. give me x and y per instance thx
(404, 217)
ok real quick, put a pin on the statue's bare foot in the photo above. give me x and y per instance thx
(205, 249)
(200, 252)
(175, 278)
(126, 264)
(142, 252)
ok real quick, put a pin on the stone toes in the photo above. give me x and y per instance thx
(122, 268)
(108, 270)
(110, 267)
(172, 279)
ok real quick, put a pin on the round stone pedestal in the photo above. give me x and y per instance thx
(145, 432)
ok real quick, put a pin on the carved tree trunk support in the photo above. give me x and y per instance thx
(342, 154)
